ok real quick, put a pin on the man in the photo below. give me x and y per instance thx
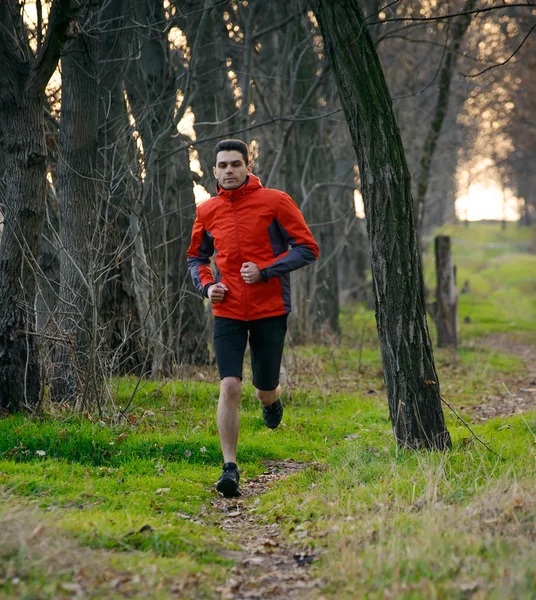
(250, 229)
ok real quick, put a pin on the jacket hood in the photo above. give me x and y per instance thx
(251, 183)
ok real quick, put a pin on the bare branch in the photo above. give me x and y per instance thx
(476, 11)
(501, 64)
(266, 30)
(49, 54)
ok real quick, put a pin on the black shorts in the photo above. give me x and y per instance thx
(266, 341)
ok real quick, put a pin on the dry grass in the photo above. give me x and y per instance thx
(484, 549)
(39, 561)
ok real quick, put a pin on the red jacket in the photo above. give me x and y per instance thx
(256, 224)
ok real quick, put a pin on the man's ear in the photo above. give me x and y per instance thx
(214, 172)
(250, 167)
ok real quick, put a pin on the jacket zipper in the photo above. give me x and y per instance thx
(240, 256)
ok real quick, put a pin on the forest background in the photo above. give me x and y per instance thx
(109, 113)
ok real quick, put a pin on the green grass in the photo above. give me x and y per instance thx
(123, 506)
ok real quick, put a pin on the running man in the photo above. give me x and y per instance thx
(249, 228)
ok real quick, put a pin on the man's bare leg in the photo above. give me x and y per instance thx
(228, 419)
(268, 397)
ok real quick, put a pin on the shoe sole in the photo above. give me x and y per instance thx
(228, 488)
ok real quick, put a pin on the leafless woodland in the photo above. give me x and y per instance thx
(109, 113)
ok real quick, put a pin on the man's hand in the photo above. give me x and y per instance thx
(216, 292)
(250, 272)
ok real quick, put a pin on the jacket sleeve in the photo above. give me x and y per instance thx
(199, 253)
(293, 230)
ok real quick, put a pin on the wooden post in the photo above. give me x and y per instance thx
(446, 313)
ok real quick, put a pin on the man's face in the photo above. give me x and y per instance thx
(231, 169)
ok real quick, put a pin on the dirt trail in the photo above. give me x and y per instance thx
(266, 566)
(518, 396)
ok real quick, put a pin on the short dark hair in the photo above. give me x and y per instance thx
(229, 145)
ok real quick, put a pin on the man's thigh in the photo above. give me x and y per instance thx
(266, 341)
(230, 339)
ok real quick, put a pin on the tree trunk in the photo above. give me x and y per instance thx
(441, 107)
(48, 282)
(75, 374)
(25, 160)
(118, 175)
(213, 103)
(410, 376)
(446, 308)
(22, 84)
(176, 313)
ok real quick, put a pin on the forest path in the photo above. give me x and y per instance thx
(266, 566)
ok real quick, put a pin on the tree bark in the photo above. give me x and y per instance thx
(446, 308)
(409, 371)
(75, 374)
(22, 83)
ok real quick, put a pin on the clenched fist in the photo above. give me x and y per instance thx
(216, 292)
(250, 272)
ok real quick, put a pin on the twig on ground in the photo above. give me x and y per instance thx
(470, 430)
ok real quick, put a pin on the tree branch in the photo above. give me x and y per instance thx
(501, 64)
(476, 11)
(49, 54)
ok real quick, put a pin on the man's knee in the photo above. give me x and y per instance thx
(267, 397)
(230, 388)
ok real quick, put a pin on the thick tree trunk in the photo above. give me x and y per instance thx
(75, 374)
(25, 160)
(118, 175)
(22, 84)
(176, 313)
(446, 307)
(410, 376)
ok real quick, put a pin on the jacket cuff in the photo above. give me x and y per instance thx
(205, 288)
(264, 275)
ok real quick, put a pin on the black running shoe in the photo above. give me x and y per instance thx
(272, 414)
(228, 481)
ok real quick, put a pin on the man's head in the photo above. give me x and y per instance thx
(231, 163)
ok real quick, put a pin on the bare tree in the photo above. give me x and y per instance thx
(459, 28)
(74, 368)
(408, 363)
(173, 312)
(23, 78)
(119, 185)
